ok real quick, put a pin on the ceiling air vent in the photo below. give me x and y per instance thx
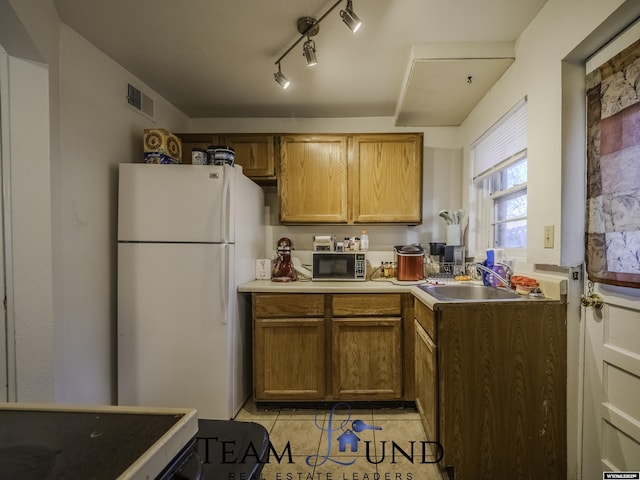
(139, 101)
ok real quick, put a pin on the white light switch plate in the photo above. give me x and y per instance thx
(548, 236)
(263, 269)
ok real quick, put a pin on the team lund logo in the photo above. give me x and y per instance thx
(348, 434)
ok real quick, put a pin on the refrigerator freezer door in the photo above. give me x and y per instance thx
(176, 325)
(176, 203)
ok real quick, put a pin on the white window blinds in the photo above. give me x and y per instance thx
(503, 143)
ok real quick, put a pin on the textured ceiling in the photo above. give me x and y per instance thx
(216, 58)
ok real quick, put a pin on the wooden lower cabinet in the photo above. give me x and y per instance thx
(367, 358)
(426, 381)
(317, 347)
(288, 346)
(500, 399)
(289, 359)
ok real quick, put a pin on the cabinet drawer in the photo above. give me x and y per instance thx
(267, 305)
(366, 304)
(424, 316)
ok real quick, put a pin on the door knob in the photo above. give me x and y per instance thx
(594, 300)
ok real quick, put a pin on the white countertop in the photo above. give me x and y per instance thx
(554, 287)
(307, 286)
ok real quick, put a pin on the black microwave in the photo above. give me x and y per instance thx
(339, 266)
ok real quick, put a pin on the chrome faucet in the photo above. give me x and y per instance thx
(507, 272)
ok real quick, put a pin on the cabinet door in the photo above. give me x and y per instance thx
(502, 385)
(367, 358)
(426, 393)
(386, 178)
(313, 179)
(289, 359)
(256, 154)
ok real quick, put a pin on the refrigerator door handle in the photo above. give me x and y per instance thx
(224, 282)
(226, 206)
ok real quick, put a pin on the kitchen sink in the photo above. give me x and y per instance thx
(467, 292)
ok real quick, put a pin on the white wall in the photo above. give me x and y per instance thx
(69, 128)
(27, 154)
(98, 132)
(28, 241)
(538, 74)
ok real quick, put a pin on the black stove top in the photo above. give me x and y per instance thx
(43, 445)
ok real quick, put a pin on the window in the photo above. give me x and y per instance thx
(508, 193)
(500, 179)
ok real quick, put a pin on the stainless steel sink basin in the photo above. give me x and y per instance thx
(467, 292)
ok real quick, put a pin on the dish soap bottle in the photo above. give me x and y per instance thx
(364, 241)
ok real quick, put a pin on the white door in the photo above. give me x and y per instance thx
(611, 410)
(176, 203)
(611, 422)
(174, 326)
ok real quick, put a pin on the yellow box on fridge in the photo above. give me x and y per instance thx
(161, 146)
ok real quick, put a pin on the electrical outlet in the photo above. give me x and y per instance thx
(548, 236)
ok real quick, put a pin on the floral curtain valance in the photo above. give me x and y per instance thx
(613, 170)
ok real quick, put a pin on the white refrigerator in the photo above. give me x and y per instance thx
(187, 236)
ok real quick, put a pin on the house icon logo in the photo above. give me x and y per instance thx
(342, 430)
(348, 439)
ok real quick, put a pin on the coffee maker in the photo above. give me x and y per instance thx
(283, 270)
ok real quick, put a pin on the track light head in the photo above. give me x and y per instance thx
(309, 52)
(282, 80)
(309, 27)
(350, 18)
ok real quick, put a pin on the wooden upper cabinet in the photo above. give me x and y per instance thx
(196, 140)
(256, 154)
(385, 175)
(312, 181)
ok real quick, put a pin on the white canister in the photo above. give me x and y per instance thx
(198, 156)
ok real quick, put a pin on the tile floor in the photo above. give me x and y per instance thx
(315, 437)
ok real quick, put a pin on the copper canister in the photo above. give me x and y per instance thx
(410, 259)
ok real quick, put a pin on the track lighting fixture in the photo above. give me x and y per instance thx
(350, 18)
(281, 79)
(309, 51)
(309, 27)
